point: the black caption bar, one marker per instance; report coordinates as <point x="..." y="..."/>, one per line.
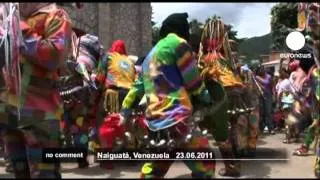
<point x="63" y="155"/>
<point x="131" y="154"/>
<point x="74" y="154"/>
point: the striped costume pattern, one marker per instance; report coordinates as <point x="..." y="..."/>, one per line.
<point x="169" y="76"/>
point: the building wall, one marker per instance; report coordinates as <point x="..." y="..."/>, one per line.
<point x="275" y="56"/>
<point x="130" y="22"/>
<point x="264" y="58"/>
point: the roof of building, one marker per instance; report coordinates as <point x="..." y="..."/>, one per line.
<point x="277" y="61"/>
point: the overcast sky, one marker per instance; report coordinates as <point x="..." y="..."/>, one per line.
<point x="249" y="19"/>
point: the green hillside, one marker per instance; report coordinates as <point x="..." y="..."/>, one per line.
<point x="254" y="47"/>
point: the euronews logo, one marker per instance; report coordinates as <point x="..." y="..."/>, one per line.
<point x="295" y="41"/>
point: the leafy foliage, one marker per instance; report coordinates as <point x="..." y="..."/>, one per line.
<point x="196" y="29"/>
<point x="252" y="48"/>
<point x="284" y="19"/>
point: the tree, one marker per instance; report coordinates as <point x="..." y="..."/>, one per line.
<point x="232" y="34"/>
<point x="153" y="23"/>
<point x="195" y="27"/>
<point x="283" y="20"/>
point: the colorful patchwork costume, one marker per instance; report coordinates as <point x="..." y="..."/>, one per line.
<point x="309" y="19"/>
<point x="47" y="37"/>
<point x="217" y="64"/>
<point x="80" y="114"/>
<point x="316" y="116"/>
<point x="169" y="77"/>
<point x="118" y="78"/>
<point x="249" y="135"/>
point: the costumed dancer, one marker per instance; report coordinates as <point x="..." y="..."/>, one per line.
<point x="169" y="77"/>
<point x="315" y="114"/>
<point x="250" y="127"/>
<point x="65" y="76"/>
<point x="3" y="55"/>
<point x="310" y="141"/>
<point x="309" y="20"/>
<point x="3" y="62"/>
<point x="216" y="63"/>
<point x="34" y="104"/>
<point x="299" y="116"/>
<point x="93" y="48"/>
<point x="80" y="116"/>
<point x="297" y="96"/>
<point x="119" y="76"/>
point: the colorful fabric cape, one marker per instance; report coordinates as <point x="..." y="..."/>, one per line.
<point x="169" y="76"/>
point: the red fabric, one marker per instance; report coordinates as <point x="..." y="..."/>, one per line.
<point x="278" y="116"/>
<point x="119" y="47"/>
<point x="293" y="65"/>
<point x="141" y="123"/>
<point x="109" y="130"/>
<point x="24" y="26"/>
<point x="63" y="124"/>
